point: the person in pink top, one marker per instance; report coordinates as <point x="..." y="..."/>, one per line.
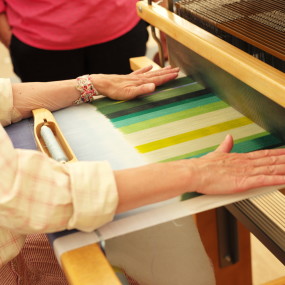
<point x="59" y="39"/>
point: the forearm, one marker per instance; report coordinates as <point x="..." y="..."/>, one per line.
<point x="5" y="30"/>
<point x="152" y="183"/>
<point x="60" y="94"/>
<point x="51" y="95"/>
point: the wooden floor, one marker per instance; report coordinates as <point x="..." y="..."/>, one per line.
<point x="265" y="266"/>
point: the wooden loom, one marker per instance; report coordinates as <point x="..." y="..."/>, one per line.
<point x="252" y="87"/>
<point x="114" y="111"/>
<point x="136" y="64"/>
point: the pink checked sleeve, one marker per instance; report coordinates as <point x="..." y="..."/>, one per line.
<point x="40" y="195"/>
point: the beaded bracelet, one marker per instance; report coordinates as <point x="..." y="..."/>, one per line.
<point x="86" y="88"/>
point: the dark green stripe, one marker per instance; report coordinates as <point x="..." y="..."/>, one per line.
<point x="162" y="102"/>
<point x="149" y="100"/>
<point x="161" y="110"/>
<point x="250" y="143"/>
<point x="177" y="83"/>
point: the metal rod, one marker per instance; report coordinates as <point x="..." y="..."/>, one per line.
<point x="170" y="5"/>
<point x="157" y="40"/>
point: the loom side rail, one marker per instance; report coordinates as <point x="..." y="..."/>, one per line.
<point x="256" y="74"/>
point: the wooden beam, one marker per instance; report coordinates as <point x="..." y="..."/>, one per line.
<point x="87" y="265"/>
<point x="256" y="74"/>
<point x="142" y="61"/>
<point x="279" y="281"/>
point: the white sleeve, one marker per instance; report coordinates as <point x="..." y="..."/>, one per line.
<point x="8" y="114"/>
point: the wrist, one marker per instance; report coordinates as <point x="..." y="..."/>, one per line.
<point x="100" y="82"/>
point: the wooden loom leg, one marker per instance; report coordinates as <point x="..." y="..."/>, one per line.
<point x="236" y="274"/>
<point x="88" y="266"/>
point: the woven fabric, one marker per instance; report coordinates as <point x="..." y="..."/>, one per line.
<point x="182" y="120"/>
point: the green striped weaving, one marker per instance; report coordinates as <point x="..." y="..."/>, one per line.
<point x="181" y="120"/>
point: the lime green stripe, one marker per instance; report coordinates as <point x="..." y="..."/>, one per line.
<point x="193" y="135"/>
<point x="122" y="105"/>
<point x="173" y="117"/>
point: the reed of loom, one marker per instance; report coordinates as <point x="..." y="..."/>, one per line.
<point x="240" y="72"/>
<point x="245" y="82"/>
<point x="254" y="26"/>
<point x="88" y="264"/>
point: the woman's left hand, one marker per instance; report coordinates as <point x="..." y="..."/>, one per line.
<point x="126" y="87"/>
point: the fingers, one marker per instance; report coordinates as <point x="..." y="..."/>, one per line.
<point x="161" y="72"/>
<point x="142" y="70"/>
<point x="159" y="80"/>
<point x="148" y="68"/>
<point x="158" y="77"/>
<point x="266" y="153"/>
<point x="226" y="145"/>
<point x="260" y="181"/>
<point x="139" y="90"/>
<point x="145" y="80"/>
<point x="269" y="170"/>
<point x="269" y="160"/>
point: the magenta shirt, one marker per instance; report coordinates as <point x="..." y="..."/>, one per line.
<point x="69" y="24"/>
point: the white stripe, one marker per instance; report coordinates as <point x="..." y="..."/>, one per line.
<point x="201" y="143"/>
<point x="182" y="126"/>
<point x="92" y="137"/>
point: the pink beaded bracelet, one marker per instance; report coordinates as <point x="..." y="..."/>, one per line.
<point x="86" y="88"/>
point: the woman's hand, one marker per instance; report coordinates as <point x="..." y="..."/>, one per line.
<point x="221" y="172"/>
<point x="126" y="87"/>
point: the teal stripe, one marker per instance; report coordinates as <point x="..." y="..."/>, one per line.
<point x="250" y="143"/>
<point x="266" y="141"/>
<point x="165" y="109"/>
<point x="169" y="118"/>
